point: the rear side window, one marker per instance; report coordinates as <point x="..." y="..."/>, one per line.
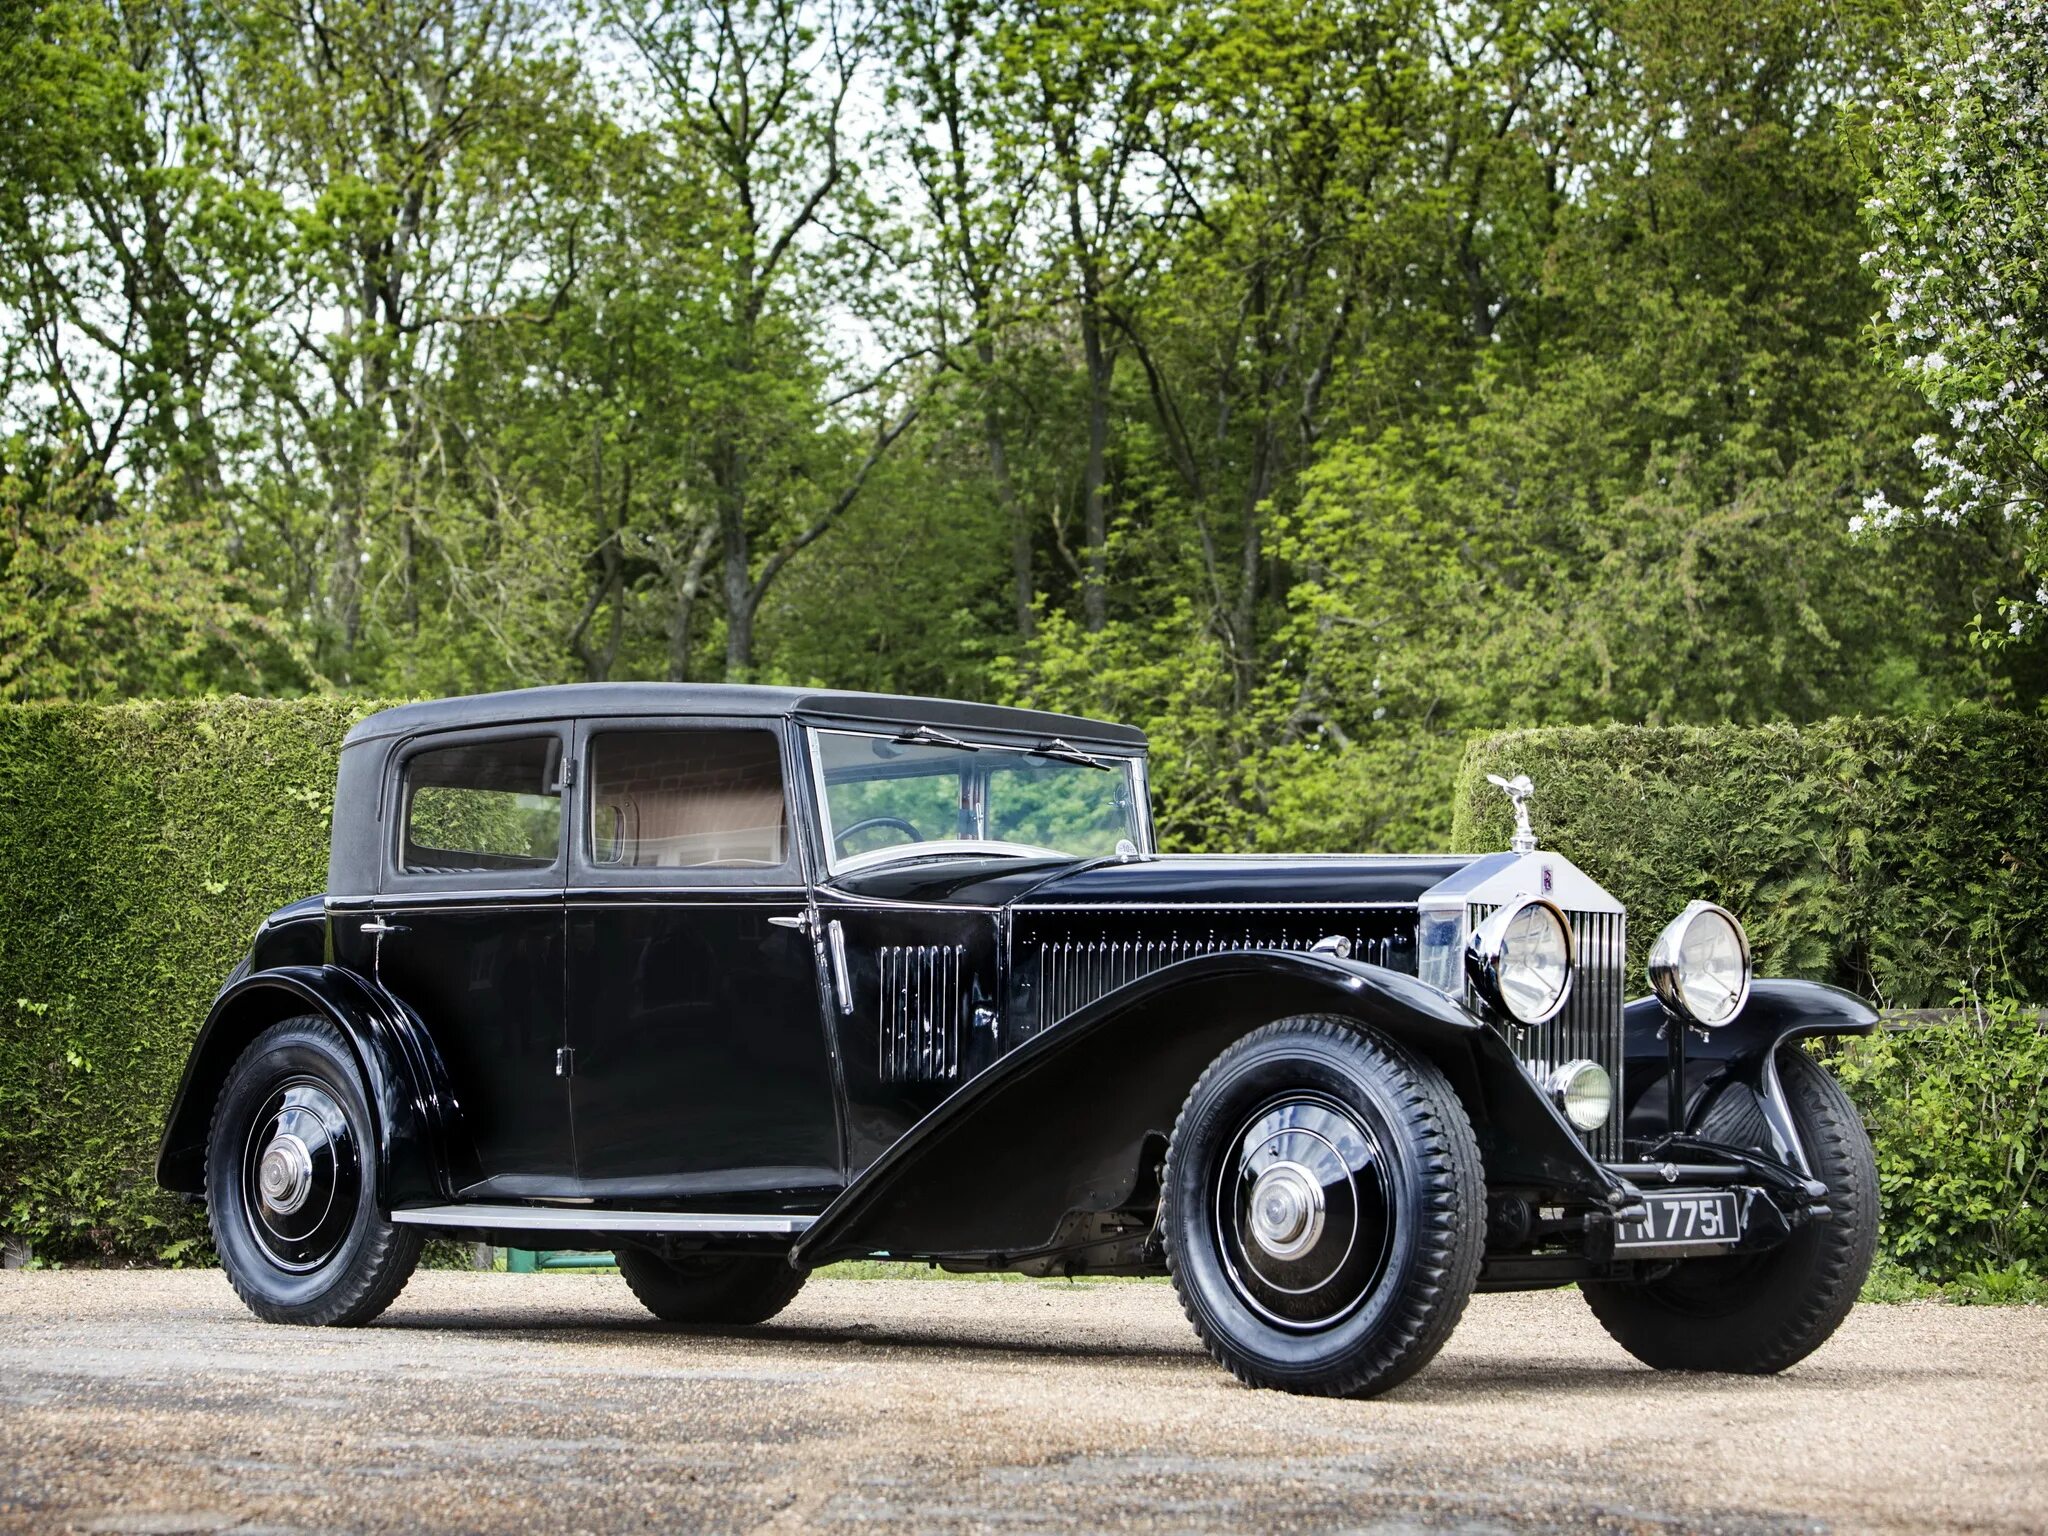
<point x="687" y="799"/>
<point x="483" y="805"/>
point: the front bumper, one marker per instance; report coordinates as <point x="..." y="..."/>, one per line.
<point x="1735" y="1200"/>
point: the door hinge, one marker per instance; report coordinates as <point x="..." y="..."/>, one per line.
<point x="565" y="1061"/>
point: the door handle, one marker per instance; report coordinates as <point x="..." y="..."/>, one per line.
<point x="801" y="922"/>
<point x="380" y="927"/>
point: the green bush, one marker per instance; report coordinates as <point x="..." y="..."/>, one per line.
<point x="1959" y="1115"/>
<point x="1905" y="860"/>
<point x="139" y="847"/>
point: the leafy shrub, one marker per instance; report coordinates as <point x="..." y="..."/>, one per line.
<point x="1958" y="1116"/>
<point x="140" y="844"/>
<point x="1906" y="860"/>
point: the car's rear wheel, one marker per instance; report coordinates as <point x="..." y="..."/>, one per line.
<point x="709" y="1289"/>
<point x="1759" y="1313"/>
<point x="291" y="1183"/>
<point x="1325" y="1209"/>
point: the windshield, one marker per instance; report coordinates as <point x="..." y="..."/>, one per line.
<point x="922" y="792"/>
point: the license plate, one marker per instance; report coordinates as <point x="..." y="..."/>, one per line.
<point x="1677" y="1220"/>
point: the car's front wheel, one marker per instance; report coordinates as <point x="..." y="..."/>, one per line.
<point x="1758" y="1313"/>
<point x="710" y="1289"/>
<point x="291" y="1183"/>
<point x="1325" y="1209"/>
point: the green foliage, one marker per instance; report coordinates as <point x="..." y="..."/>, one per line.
<point x="1960" y="216"/>
<point x="140" y="844"/>
<point x="1905" y="860"/>
<point x="1959" y="1114"/>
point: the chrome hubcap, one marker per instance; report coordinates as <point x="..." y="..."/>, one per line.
<point x="285" y="1174"/>
<point x="1286" y="1210"/>
<point x="302" y="1175"/>
<point x="1304" y="1211"/>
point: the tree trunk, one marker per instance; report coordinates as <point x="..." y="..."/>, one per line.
<point x="1094" y="510"/>
<point x="740" y="597"/>
<point x="1014" y="515"/>
<point x="689" y="587"/>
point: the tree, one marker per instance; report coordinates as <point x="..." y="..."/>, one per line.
<point x="1961" y="221"/>
<point x="398" y="136"/>
<point x="756" y="98"/>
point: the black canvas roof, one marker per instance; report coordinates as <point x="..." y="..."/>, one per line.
<point x="591" y="700"/>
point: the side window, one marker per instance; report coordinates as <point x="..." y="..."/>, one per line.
<point x="687" y="799"/>
<point x="483" y="805"/>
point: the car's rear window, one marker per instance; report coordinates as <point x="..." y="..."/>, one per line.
<point x="487" y="805"/>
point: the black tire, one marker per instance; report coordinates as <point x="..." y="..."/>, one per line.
<point x="331" y="1259"/>
<point x="719" y="1290"/>
<point x="1754" y="1314"/>
<point x="1324" y="1209"/>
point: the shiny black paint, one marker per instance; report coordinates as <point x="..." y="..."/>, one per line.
<point x="292" y="935"/>
<point x="1226" y="884"/>
<point x="486" y="973"/>
<point x="1071" y="1120"/>
<point x="422" y="1147"/>
<point x="700" y="1064"/>
<point x="929" y="973"/>
<point x="1740" y="1055"/>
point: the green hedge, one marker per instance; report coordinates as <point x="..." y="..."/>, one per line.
<point x="1905" y="860"/>
<point x="139" y="847"/>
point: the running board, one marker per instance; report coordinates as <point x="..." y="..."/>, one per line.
<point x="535" y="1218"/>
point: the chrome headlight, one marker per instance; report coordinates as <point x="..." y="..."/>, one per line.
<point x="1520" y="959"/>
<point x="1584" y="1092"/>
<point x="1699" y="966"/>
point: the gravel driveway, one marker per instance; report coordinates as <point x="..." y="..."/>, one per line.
<point x="147" y="1402"/>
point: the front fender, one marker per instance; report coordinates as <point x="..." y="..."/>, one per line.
<point x="1073" y="1119"/>
<point x="418" y="1156"/>
<point x="1740" y="1054"/>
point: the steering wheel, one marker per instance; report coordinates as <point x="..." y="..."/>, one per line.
<point x="878" y="821"/>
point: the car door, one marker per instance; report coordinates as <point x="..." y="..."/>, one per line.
<point x="700" y="1067"/>
<point x="467" y="932"/>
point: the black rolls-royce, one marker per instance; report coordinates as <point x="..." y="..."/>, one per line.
<point x="738" y="981"/>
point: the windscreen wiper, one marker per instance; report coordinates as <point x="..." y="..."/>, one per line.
<point x="925" y="736"/>
<point x="1066" y="752"/>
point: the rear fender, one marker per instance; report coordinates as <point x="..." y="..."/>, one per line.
<point x="1074" y="1119"/>
<point x="419" y="1153"/>
<point x="1740" y="1054"/>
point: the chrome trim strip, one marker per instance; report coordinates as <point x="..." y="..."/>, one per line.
<point x="831" y="895"/>
<point x="1275" y="906"/>
<point x="835" y="939"/>
<point x="406" y="901"/>
<point x="734" y="895"/>
<point x="537" y="1218"/>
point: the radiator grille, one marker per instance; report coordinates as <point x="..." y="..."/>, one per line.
<point x="1589" y="1026"/>
<point x="1073" y="974"/>
<point x="919" y="1010"/>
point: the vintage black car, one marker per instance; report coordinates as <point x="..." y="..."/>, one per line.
<point x="739" y="981"/>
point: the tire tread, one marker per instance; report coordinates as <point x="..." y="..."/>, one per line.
<point x="1453" y="1200"/>
<point x="378" y="1270"/>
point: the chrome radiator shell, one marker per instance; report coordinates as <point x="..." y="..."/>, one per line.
<point x="1589" y="1026"/>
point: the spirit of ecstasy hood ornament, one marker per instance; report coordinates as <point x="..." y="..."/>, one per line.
<point x="1518" y="790"/>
